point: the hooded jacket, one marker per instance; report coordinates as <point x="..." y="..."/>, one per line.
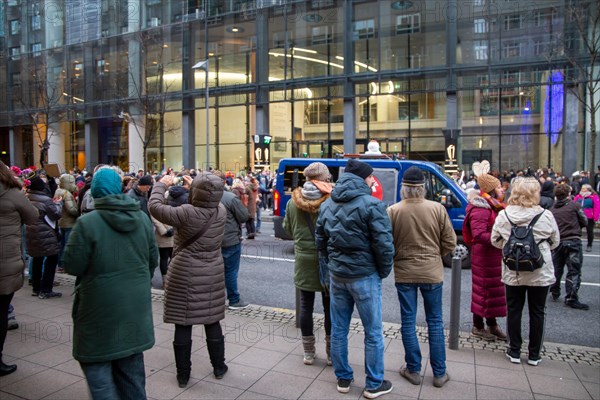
<point x="237" y="214"/>
<point x="569" y="218"/>
<point x="547" y="195"/>
<point x="178" y="195"/>
<point x="113" y="254"/>
<point x="354" y="232"/>
<point x="195" y="281"/>
<point x="66" y="188"/>
<point x="306" y="260"/>
<point x="488" y="299"/>
<point x="141" y="197"/>
<point x="15" y="210"/>
<point x="42" y="239"/>
<point x="545" y="228"/>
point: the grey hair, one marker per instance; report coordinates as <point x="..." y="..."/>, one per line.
<point x="412" y="192"/>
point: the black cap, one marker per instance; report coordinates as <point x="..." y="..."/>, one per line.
<point x="359" y="168"/>
<point x="413" y="176"/>
<point x="37" y="184"/>
<point x="145" y="180"/>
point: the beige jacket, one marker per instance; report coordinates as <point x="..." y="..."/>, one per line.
<point x="545" y="228"/>
<point x="422" y="233"/>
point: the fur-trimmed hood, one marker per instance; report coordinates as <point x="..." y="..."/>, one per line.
<point x="476" y="200"/>
<point x="309" y="206"/>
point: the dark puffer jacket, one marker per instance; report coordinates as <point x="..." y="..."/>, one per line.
<point x="570" y="219"/>
<point x="354" y="231"/>
<point x="178" y="195"/>
<point x="547" y="195"/>
<point x="43" y="240"/>
<point x="488" y="299"/>
<point x="15" y="210"/>
<point x="195" y="287"/>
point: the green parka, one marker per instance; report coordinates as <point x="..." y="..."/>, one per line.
<point x="113" y="254"/>
<point x="306" y="260"/>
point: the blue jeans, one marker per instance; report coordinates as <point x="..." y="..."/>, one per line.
<point x="258" y="217"/>
<point x="231" y="259"/>
<point x="366" y="294"/>
<point x="432" y="299"/>
<point x="124" y="378"/>
<point x="66" y="232"/>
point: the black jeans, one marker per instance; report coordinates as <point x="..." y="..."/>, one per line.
<point x="590" y="231"/>
<point x="536" y="301"/>
<point x="307" y="306"/>
<point x="5" y="300"/>
<point x="42" y="273"/>
<point x="569" y="252"/>
<point x="165" y="254"/>
<point x="183" y="333"/>
<point x="478" y="321"/>
<point x="250" y="227"/>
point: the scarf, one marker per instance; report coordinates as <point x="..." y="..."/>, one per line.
<point x="494" y="203"/>
<point x="310" y="191"/>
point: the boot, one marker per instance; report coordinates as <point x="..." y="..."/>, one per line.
<point x="6" y="369"/>
<point x="308" y="342"/>
<point x="497" y="331"/>
<point x="328" y="349"/>
<point x="216" y="352"/>
<point x="183" y="362"/>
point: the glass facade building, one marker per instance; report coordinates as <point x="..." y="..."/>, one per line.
<point x="117" y="81"/>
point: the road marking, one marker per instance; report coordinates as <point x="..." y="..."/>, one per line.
<point x="590" y="255"/>
<point x="268" y="258"/>
<point x="587" y="284"/>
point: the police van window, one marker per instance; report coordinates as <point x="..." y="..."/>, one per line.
<point x="293" y="177"/>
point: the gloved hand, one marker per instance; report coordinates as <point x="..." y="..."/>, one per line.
<point x="169" y="232"/>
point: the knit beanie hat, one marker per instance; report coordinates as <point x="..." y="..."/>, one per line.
<point x="105" y="182"/>
<point x="145" y="180"/>
<point x="37" y="184"/>
<point x="359" y="168"/>
<point x="317" y="171"/>
<point x="413" y="177"/>
<point x="487" y="183"/>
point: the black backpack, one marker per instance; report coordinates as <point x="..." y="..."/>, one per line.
<point x="521" y="252"/>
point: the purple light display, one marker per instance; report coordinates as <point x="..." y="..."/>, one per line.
<point x="554" y="106"/>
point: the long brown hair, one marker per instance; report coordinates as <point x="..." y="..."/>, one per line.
<point x="8" y="178"/>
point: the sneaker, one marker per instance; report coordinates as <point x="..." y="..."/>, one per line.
<point x="309" y="358"/>
<point x="440" y="381"/>
<point x="588" y="249"/>
<point x="240" y="305"/>
<point x="577" y="305"/>
<point x="514" y="357"/>
<point x="555" y="297"/>
<point x="497" y="332"/>
<point x="49" y="295"/>
<point x="483" y="333"/>
<point x="384" y="388"/>
<point x="534" y="361"/>
<point x="35" y="294"/>
<point x="12" y="324"/>
<point x="412" y="377"/>
<point x="343" y="385"/>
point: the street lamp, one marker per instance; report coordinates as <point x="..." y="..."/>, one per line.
<point x="204" y="65"/>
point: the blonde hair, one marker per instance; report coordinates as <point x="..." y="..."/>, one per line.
<point x="525" y="192"/>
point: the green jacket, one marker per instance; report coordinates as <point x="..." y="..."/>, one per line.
<point x="113" y="254"/>
<point x="306" y="261"/>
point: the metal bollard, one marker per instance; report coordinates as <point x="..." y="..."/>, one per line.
<point x="455" y="303"/>
<point x="297" y="308"/>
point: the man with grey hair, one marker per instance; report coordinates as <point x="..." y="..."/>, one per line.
<point x="422" y="233"/>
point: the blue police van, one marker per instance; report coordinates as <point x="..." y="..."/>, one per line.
<point x="388" y="173"/>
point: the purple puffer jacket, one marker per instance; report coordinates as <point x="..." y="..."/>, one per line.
<point x="488" y="298"/>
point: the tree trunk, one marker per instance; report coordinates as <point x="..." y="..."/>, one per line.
<point x="593" y="137"/>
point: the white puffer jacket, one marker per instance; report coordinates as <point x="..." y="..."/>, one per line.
<point x="545" y="228"/>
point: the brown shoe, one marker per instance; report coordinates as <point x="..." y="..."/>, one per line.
<point x="497" y="332"/>
<point x="483" y="334"/>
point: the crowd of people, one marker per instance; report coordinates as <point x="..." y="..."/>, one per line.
<point x="190" y="224"/>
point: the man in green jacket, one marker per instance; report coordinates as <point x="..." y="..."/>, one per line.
<point x="113" y="253"/>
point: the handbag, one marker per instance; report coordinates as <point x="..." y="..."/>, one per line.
<point x="323" y="268"/>
<point x="198" y="234"/>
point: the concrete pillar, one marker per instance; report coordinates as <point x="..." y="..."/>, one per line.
<point x="570" y="137"/>
<point x="350" y="112"/>
<point x="15" y="144"/>
<point x="262" y="74"/>
<point x="91" y="144"/>
<point x="188" y="117"/>
<point x="136" y="146"/>
<point x="56" y="152"/>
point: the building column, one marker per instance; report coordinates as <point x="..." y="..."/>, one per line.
<point x="56" y="152"/>
<point x="15" y="148"/>
<point x="350" y="113"/>
<point x="91" y="145"/>
<point x="570" y="136"/>
<point x="188" y="116"/>
<point x="453" y="117"/>
<point x="262" y="76"/>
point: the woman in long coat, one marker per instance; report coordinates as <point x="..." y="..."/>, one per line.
<point x="488" y="300"/>
<point x="15" y="210"/>
<point x="195" y="288"/>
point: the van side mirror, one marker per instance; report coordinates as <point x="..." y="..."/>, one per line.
<point x="447" y="198"/>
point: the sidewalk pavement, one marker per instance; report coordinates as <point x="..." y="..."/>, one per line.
<point x="264" y="354"/>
